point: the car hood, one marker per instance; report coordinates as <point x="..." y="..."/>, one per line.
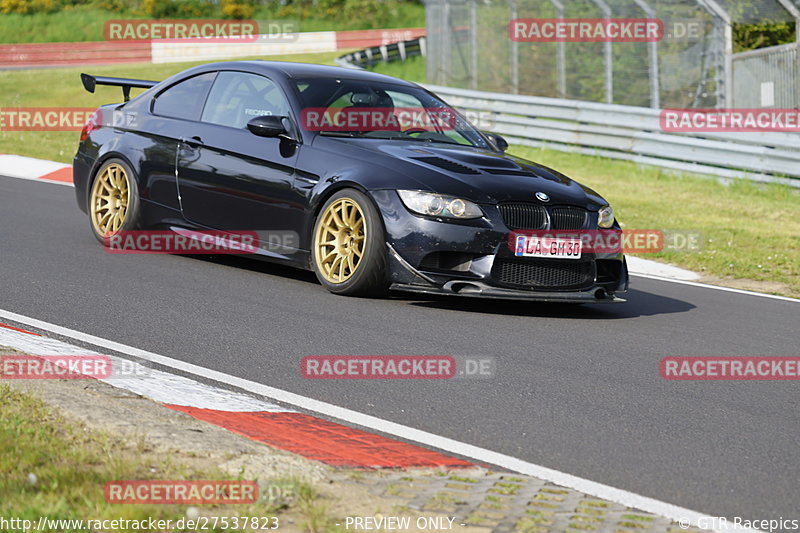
<point x="482" y="176"/>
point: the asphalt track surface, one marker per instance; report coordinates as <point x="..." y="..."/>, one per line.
<point x="576" y="389"/>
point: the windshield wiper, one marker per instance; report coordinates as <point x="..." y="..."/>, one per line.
<point x="330" y="133"/>
<point x="430" y="140"/>
<point x="340" y="133"/>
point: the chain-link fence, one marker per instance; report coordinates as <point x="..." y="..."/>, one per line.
<point x="538" y="47"/>
<point x="768" y="77"/>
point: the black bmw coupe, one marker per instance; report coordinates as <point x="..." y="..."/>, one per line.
<point x="384" y="185"/>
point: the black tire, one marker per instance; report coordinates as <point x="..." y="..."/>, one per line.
<point x="96" y="206"/>
<point x="368" y="277"/>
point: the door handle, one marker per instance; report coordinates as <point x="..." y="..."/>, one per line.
<point x="193" y="142"/>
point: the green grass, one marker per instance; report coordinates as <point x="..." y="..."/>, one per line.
<point x="71" y="464"/>
<point x="61" y="87"/>
<point x="413" y="69"/>
<point x="463" y="479"/>
<point x="79" y="24"/>
<point x="85" y="22"/>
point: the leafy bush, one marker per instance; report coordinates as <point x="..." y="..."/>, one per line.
<point x="178" y="8"/>
<point x="371" y="11"/>
<point x="29" y="7"/>
<point x="344" y="14"/>
<point x="237" y="10"/>
<point x="763" y="34"/>
<point x="23" y="7"/>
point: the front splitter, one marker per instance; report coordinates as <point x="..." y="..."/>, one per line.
<point x="479" y="290"/>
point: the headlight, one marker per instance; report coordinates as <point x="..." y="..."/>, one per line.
<point x="605" y="217"/>
<point x="439" y="205"/>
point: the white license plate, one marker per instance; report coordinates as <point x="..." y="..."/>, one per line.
<point x="536" y="246"/>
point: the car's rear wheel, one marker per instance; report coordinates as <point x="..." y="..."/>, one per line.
<point x="348" y="250"/>
<point x="114" y="200"/>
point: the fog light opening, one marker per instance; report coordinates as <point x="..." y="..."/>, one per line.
<point x="458" y="287"/>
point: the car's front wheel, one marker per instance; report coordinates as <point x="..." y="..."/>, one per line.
<point x="114" y="200"/>
<point x="348" y="251"/>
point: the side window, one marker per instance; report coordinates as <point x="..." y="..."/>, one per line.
<point x="184" y="99"/>
<point x="237" y="97"/>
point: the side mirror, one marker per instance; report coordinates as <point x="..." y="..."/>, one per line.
<point x="500" y="144"/>
<point x="267" y="126"/>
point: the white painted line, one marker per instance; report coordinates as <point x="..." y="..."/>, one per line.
<point x="4" y="174"/>
<point x="476" y="453"/>
<point x="45" y="180"/>
<point x="19" y="166"/>
<point x="29" y="168"/>
<point x="639" y="265"/>
<point x="157" y="385"/>
<point x="719" y="288"/>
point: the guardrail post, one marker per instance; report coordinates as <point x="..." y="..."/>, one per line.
<point x="514" y="54"/>
<point x="446" y="44"/>
<point x="561" y="54"/>
<point x="608" y="54"/>
<point x="473" y="45"/>
<point x="728" y="66"/>
<point x="724" y="80"/>
<point x="652" y="52"/>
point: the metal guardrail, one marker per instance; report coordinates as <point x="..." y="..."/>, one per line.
<point x="633" y="134"/>
<point x="367" y="57"/>
<point x="622" y="132"/>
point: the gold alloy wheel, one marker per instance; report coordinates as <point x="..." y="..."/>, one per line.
<point x="109" y="202"/>
<point x="340" y="240"/>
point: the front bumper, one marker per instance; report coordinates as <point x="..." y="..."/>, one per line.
<point x="473" y="258"/>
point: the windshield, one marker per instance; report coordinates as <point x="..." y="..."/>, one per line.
<point x="359" y="108"/>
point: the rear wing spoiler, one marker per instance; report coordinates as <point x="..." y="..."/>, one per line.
<point x="89" y="83"/>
